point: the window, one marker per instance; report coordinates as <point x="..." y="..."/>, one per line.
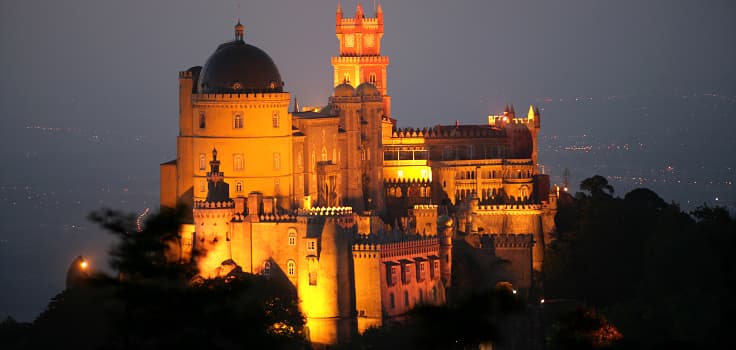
<point x="400" y="174"/>
<point x="422" y="271"/>
<point x="276" y="161"/>
<point x="311" y="245"/>
<point x="372" y="78"/>
<point x="434" y="293"/>
<point x="238" y="186"/>
<point x="324" y="154"/>
<point x="291" y="268"/>
<point x="202" y="120"/>
<point x="435" y="268"/>
<point x="405" y="273"/>
<point x="202" y="161"/>
<point x="238" y="163"/>
<point x="292" y="237"/>
<point x="203" y="186"/>
<point x="406" y="298"/>
<point x="392" y="301"/>
<point x="276" y="186"/>
<point x="266" y="270"/>
<point x="275" y="119"/>
<point x="238" y="121"/>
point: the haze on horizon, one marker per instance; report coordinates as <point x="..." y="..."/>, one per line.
<point x="104" y="73"/>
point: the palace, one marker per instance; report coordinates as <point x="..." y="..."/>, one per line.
<point x="363" y="220"/>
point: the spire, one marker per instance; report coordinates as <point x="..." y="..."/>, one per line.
<point x="512" y="111"/>
<point x="506" y="110"/>
<point x="379" y="13"/>
<point x="296" y="101"/>
<point x="530" y="114"/>
<point x="239" y="31"/>
<point x="217" y="189"/>
<point x="338" y="14"/>
<point x="359" y="11"/>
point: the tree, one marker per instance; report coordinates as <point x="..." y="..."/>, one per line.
<point x="597" y="186"/>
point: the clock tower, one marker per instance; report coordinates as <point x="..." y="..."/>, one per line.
<point x="360" y="59"/>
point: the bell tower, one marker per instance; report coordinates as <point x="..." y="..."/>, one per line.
<point x="360" y="57"/>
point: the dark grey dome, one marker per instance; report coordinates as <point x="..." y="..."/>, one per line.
<point x="239" y="67"/>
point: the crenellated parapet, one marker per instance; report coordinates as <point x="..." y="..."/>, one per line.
<point x="278" y="98"/>
<point x="418" y="247"/>
<point x="425" y="209"/>
<point x="508" y="240"/>
<point x="360" y="59"/>
<point x="214" y="205"/>
<point x="404" y="180"/>
<point x="185" y="74"/>
<point x="509" y="209"/>
<point x="288" y="216"/>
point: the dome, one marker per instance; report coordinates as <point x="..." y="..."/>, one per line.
<point x="344" y="90"/>
<point x="239" y="67"/>
<point x="367" y="89"/>
<point x="445" y="221"/>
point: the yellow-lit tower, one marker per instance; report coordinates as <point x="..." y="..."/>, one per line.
<point x="360" y="57"/>
<point x="235" y="103"/>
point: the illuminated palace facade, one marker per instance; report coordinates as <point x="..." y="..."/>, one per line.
<point x="358" y="217"/>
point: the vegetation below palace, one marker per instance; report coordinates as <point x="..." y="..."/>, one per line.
<point x="623" y="273"/>
<point x="662" y="277"/>
<point x="154" y="304"/>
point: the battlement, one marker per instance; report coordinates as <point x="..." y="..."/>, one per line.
<point x="214" y="205"/>
<point x="289" y="216"/>
<point x="360" y="59"/>
<point x="326" y="211"/>
<point x="425" y="208"/>
<point x="405" y="180"/>
<point x="185" y="74"/>
<point x="444" y="131"/>
<point x="243" y="96"/>
<point x="509" y="209"/>
<point x="508" y="240"/>
<point x="418" y="247"/>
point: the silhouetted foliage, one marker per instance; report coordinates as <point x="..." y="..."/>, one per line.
<point x="583" y="329"/>
<point x="662" y="276"/>
<point x="154" y="303"/>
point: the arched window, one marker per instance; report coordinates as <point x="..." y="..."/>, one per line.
<point x="372" y="78"/>
<point x="291" y="268"/>
<point x="202" y="161"/>
<point x="238" y="121"/>
<point x="292" y="237"/>
<point x="266" y="270"/>
<point x="276" y="161"/>
<point x="324" y="154"/>
<point x="238" y="186"/>
<point x="275" y="119"/>
<point x="392" y="301"/>
<point x="406" y="298"/>
<point x="238" y="162"/>
<point x="202" y="120"/>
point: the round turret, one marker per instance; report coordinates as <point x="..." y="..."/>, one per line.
<point x="344" y="90"/>
<point x="367" y="89"/>
<point x="445" y="221"/>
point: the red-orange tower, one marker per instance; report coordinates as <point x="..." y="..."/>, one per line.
<point x="360" y="57"/>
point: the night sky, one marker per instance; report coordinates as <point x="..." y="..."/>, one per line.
<point x="89" y="97"/>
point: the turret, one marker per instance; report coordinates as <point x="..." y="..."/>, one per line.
<point x="445" y="226"/>
<point x="338" y="14"/>
<point x="379" y="14"/>
<point x="359" y="15"/>
<point x="212" y="224"/>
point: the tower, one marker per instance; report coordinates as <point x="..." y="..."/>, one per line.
<point x="360" y="57"/>
<point x="212" y="223"/>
